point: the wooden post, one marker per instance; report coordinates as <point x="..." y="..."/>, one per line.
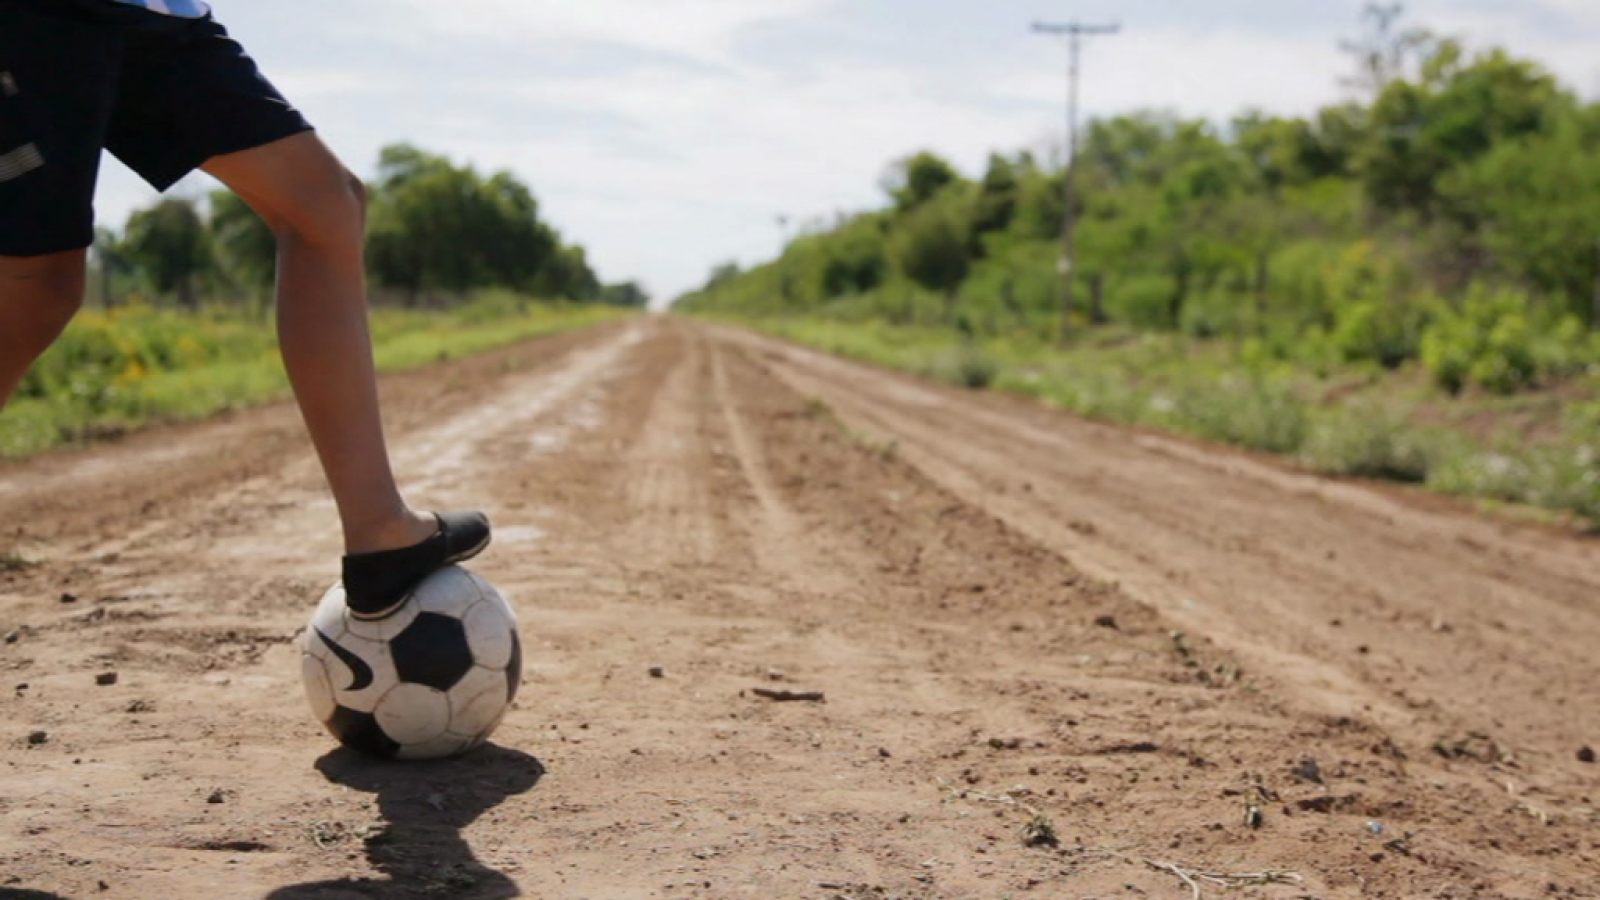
<point x="1594" y="311"/>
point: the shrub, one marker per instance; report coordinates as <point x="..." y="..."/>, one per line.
<point x="1381" y="331"/>
<point x="1368" y="441"/>
<point x="1489" y="342"/>
<point x="1259" y="413"/>
<point x="969" y="367"/>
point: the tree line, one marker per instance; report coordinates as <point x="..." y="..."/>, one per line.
<point x="1449" y="212"/>
<point x="437" y="231"/>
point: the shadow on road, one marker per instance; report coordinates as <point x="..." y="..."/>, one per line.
<point x="25" y="894"/>
<point x="425" y="807"/>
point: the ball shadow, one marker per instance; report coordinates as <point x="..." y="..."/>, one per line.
<point x="425" y="807"/>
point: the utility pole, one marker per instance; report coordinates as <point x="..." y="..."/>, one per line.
<point x="1594" y="310"/>
<point x="1075" y="33"/>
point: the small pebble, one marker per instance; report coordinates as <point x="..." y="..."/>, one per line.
<point x="657" y="672"/>
<point x="38" y="737"/>
<point x="106" y="678"/>
<point x="1586" y="754"/>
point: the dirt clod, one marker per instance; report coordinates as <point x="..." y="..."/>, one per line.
<point x="105" y="679"/>
<point x="1586" y="754"/>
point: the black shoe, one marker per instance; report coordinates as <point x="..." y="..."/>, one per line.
<point x="375" y="584"/>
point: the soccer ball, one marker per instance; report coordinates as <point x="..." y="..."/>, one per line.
<point x="430" y="681"/>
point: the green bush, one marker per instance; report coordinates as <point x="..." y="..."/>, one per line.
<point x="1383" y="331"/>
<point x="1489" y="342"/>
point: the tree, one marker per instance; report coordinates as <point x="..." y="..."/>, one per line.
<point x="1422" y="130"/>
<point x="917" y="179"/>
<point x="931" y="249"/>
<point x="626" y="294"/>
<point x="998" y="193"/>
<point x="1385" y="50"/>
<point x="567" y="275"/>
<point x="1280" y="152"/>
<point x="853" y="257"/>
<point x="1539" y="201"/>
<point x="111" y="259"/>
<point x="169" y="243"/>
<point x="246" y="247"/>
<point x="439" y="226"/>
<point x="725" y="273"/>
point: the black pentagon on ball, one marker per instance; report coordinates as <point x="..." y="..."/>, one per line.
<point x="514" y="668"/>
<point x="432" y="651"/>
<point x="361" y="731"/>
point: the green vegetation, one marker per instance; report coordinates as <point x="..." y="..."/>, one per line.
<point x="436" y="232"/>
<point x="120" y="368"/>
<point x="1403" y="286"/>
<point x="1536" y="449"/>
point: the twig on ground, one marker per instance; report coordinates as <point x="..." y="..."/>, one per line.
<point x="790" y="696"/>
<point x="1194" y="889"/>
<point x="1193" y="877"/>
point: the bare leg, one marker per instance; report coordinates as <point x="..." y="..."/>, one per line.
<point x="38" y="297"/>
<point x="317" y="210"/>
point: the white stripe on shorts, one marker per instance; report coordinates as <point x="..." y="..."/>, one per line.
<point x="20" y="162"/>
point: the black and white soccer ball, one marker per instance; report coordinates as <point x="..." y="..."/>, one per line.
<point x="432" y="680"/>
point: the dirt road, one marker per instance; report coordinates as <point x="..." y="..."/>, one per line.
<point x="1059" y="659"/>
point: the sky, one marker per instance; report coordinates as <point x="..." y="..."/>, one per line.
<point x="669" y="136"/>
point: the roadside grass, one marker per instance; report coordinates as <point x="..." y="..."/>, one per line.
<point x="117" y="370"/>
<point x="1538" y="449"/>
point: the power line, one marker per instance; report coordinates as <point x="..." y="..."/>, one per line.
<point x="1074" y="32"/>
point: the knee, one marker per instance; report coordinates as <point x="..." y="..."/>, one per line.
<point x="330" y="212"/>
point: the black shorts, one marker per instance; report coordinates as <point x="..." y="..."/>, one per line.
<point x="163" y="94"/>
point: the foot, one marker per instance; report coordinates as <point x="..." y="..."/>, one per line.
<point x="376" y="584"/>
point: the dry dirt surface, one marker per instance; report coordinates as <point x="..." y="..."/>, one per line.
<point x="798" y="628"/>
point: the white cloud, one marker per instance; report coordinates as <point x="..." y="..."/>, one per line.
<point x="667" y="135"/>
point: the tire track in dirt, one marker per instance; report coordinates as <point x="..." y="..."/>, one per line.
<point x="774" y="800"/>
<point x="672" y="520"/>
<point x="1074" y="494"/>
<point x="1397" y="615"/>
